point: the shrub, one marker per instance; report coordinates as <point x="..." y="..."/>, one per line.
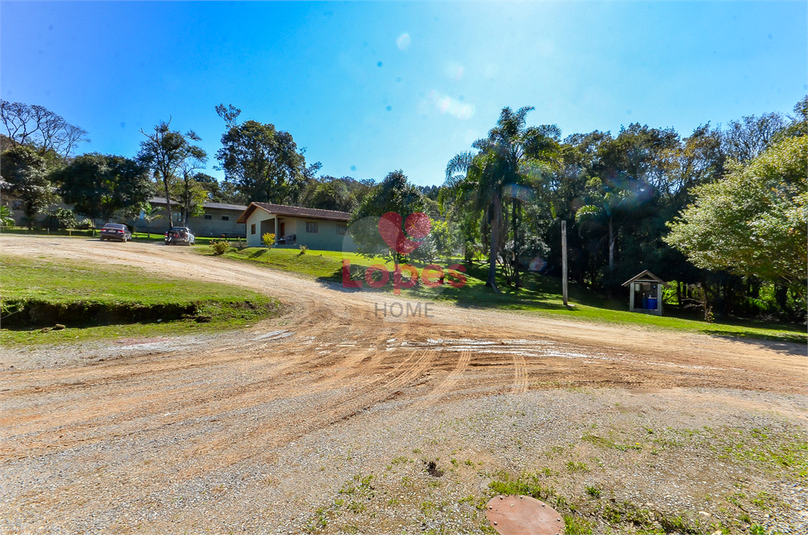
<point x="219" y="246"/>
<point x="60" y="218"/>
<point x="6" y="217"/>
<point x="303" y="249"/>
<point x="268" y="239"/>
<point x="85" y="224"/>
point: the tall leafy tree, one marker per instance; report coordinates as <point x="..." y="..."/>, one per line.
<point x="394" y="194"/>
<point x="510" y="155"/>
<point x="329" y="193"/>
<point x="263" y="162"/>
<point x="753" y="221"/>
<point x="606" y="202"/>
<point x="620" y="201"/>
<point x="98" y="185"/>
<point x="168" y="153"/>
<point x="24" y="176"/>
<point x="223" y="192"/>
<point x="747" y="138"/>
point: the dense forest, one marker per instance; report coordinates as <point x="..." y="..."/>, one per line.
<point x="721" y="213"/>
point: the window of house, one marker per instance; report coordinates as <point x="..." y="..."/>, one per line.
<point x="208" y="216"/>
<point x="342" y="230"/>
<point x="252" y="228"/>
<point x="225" y="218"/>
<point x="311" y="227"/>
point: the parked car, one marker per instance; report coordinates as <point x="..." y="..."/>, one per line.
<point x="179" y="235"/>
<point x="116" y="231"/>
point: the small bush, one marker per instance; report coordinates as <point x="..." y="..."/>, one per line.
<point x="268" y="239"/>
<point x="6" y="217"/>
<point x="85" y="224"/>
<point x="219" y="246"/>
<point x="303" y="249"/>
<point x="60" y="218"/>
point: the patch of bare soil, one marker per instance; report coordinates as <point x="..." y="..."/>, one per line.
<point x="336" y="419"/>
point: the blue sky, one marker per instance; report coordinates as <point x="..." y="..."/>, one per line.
<point x="368" y="88"/>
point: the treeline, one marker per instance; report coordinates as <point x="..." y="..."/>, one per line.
<point x="722" y="211"/>
<point x="260" y="163"/>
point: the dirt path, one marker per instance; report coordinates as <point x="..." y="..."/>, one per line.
<point x="108" y="440"/>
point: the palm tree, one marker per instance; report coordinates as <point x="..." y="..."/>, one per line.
<point x="511" y="155"/>
<point x="603" y="208"/>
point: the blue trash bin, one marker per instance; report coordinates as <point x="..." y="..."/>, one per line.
<point x="652" y="302"/>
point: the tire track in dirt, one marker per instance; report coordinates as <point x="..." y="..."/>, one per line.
<point x="519" y="374"/>
<point x="301" y="418"/>
<point x="448" y="383"/>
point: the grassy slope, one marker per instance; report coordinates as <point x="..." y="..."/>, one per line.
<point x="66" y="282"/>
<point x="541" y="295"/>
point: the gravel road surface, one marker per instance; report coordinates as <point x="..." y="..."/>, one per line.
<point x="323" y="420"/>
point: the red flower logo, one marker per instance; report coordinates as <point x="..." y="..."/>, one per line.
<point x="417" y="226"/>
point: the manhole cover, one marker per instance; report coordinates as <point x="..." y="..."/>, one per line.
<point x="523" y="515"/>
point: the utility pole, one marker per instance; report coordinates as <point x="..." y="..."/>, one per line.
<point x="564" y="260"/>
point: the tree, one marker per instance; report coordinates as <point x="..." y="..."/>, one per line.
<point x="150" y="214"/>
<point x="191" y="197"/>
<point x="168" y="152"/>
<point x="510" y="155"/>
<point x="753" y="221"/>
<point x="393" y="195"/>
<point x="222" y="192"/>
<point x="60" y="218"/>
<point x="190" y="194"/>
<point x="263" y="162"/>
<point x="6" y="217"/>
<point x="746" y="139"/>
<point x="24" y="176"/>
<point x="98" y="185"/>
<point x="329" y="193"/>
<point x="39" y="127"/>
<point x="605" y="205"/>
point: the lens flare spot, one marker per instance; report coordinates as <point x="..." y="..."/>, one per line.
<point x="448" y="105"/>
<point x="403" y="42"/>
<point x="453" y="71"/>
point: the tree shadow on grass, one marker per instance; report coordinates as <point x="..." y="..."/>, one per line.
<point x="478" y="297"/>
<point x="794" y="345"/>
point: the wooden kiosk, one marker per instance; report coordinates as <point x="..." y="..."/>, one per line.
<point x="645" y="291"/>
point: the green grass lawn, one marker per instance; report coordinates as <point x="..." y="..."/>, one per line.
<point x="541" y="295"/>
<point x="103" y="292"/>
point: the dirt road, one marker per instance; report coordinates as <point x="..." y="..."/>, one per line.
<point x="257" y="431"/>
